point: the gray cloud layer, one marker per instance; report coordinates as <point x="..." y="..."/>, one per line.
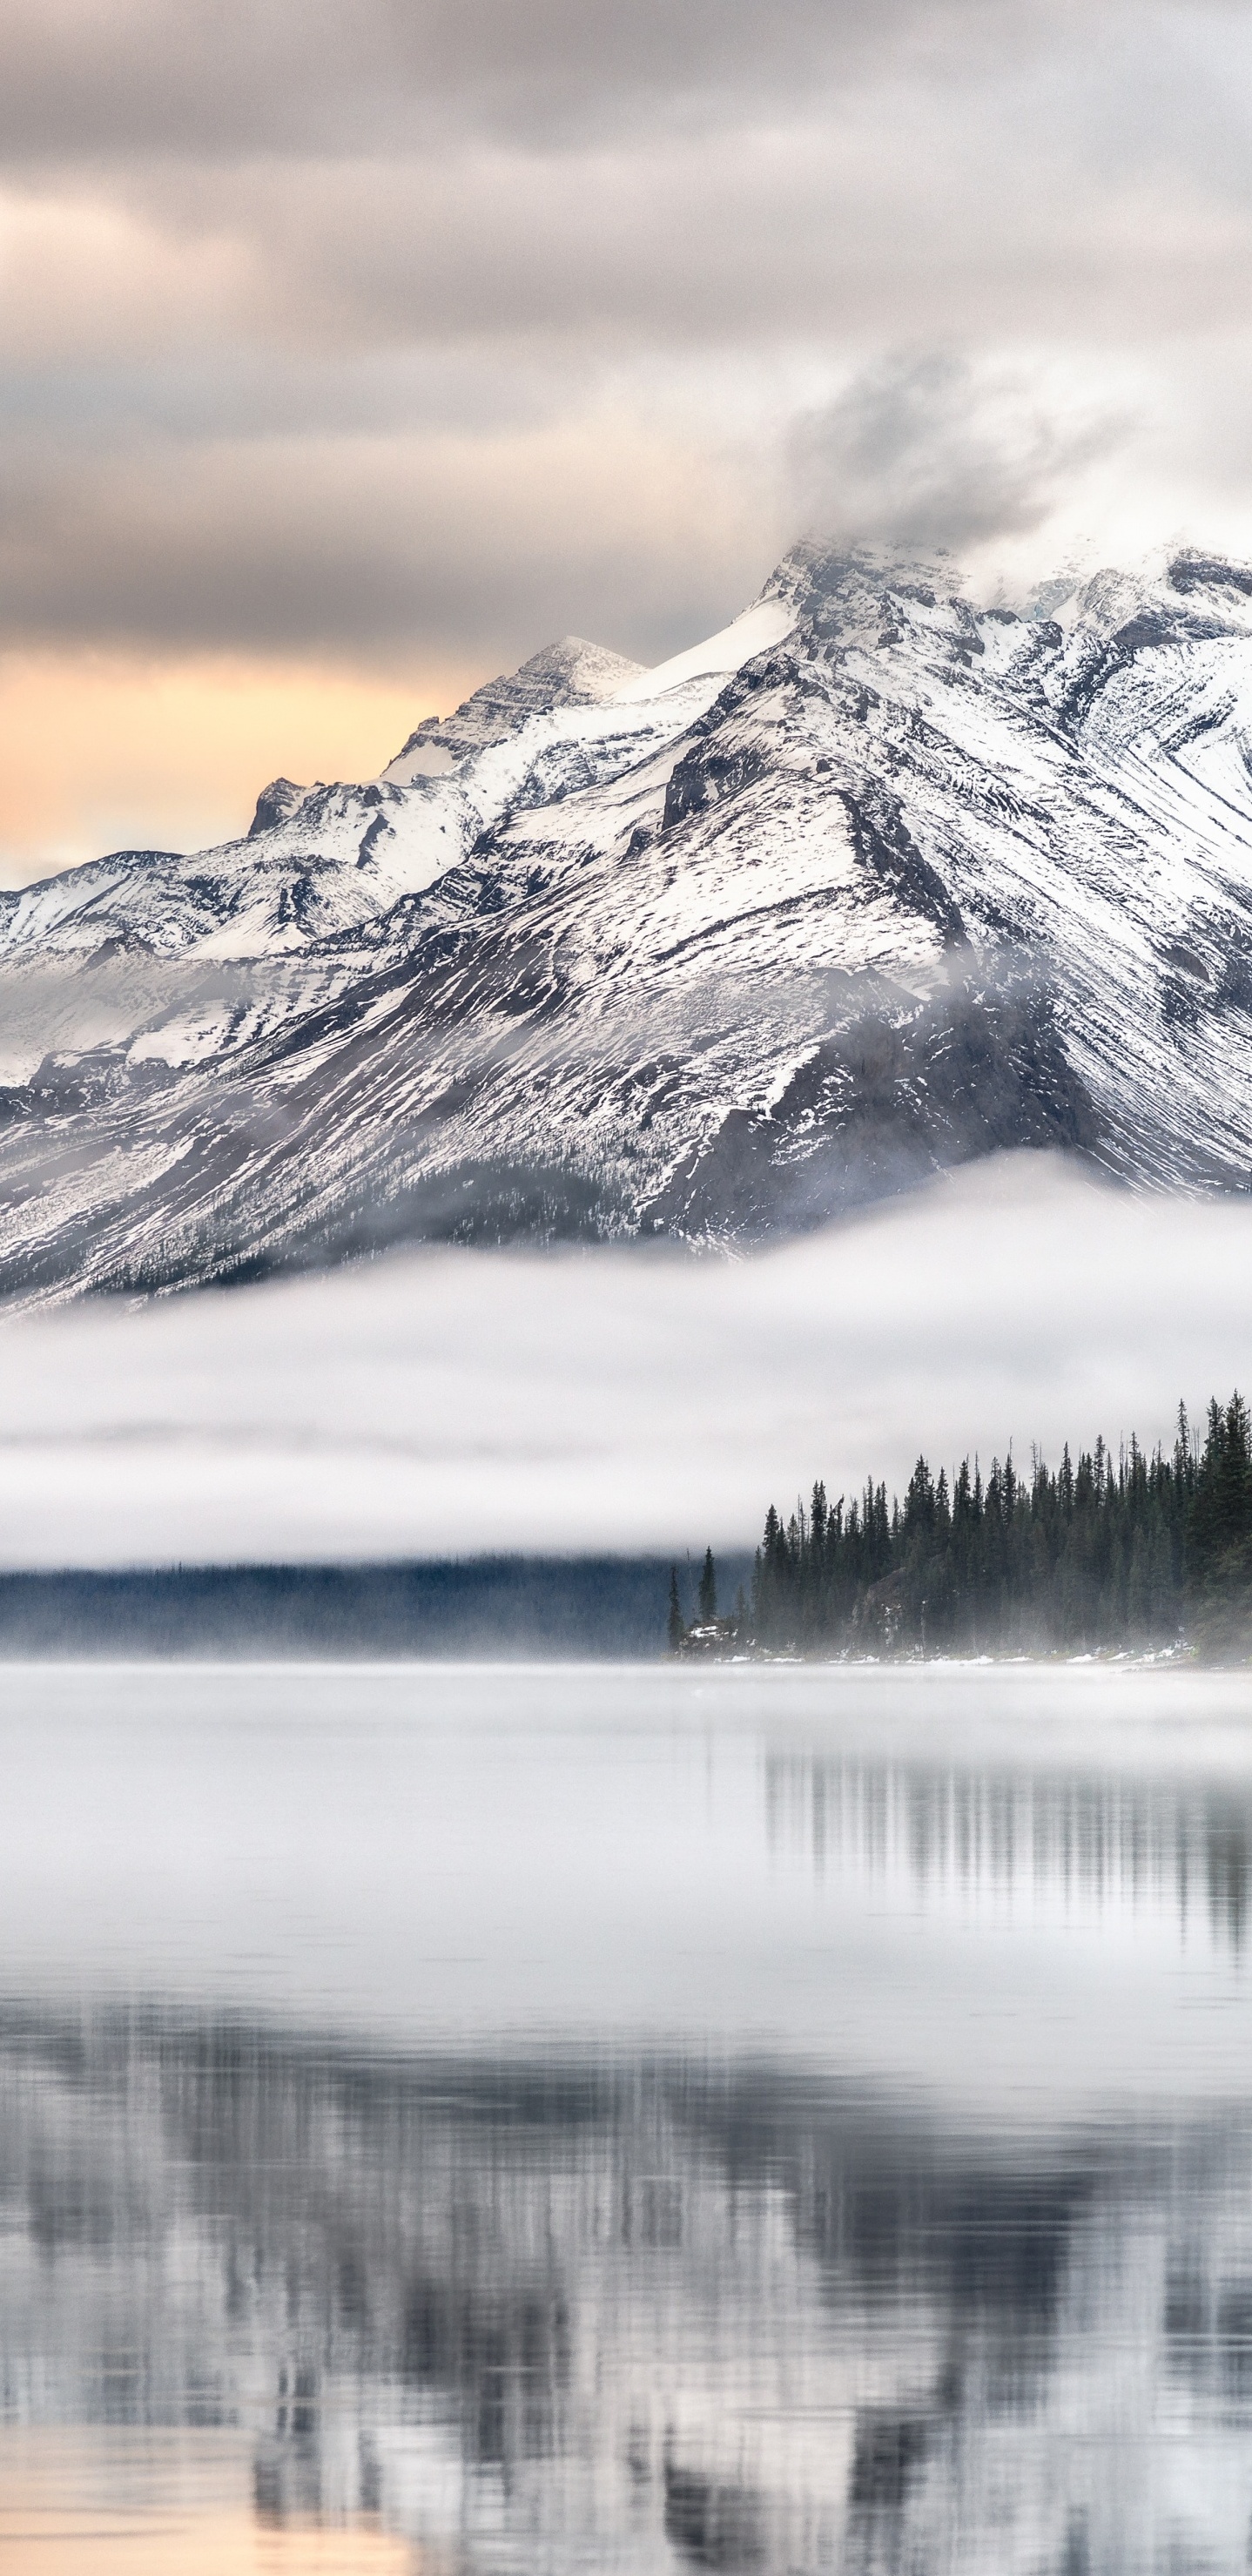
<point x="905" y="456"/>
<point x="409" y="328"/>
<point x="228" y="77"/>
<point x="453" y="1402"/>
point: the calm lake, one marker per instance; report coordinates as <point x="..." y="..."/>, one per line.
<point x="628" y="2118"/>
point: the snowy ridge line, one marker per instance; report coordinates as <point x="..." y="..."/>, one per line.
<point x="873" y="882"/>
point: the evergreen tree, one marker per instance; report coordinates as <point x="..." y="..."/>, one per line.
<point x="1110" y="1550"/>
<point x="1218" y="1536"/>
<point x="675" y="1629"/>
<point x="708" y="1588"/>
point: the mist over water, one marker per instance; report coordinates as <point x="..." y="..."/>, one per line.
<point x="649" y="2119"/>
<point x="441" y="1403"/>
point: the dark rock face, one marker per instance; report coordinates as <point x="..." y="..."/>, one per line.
<point x="276" y="804"/>
<point x="1190" y="572"/>
<point x="881" y="841"/>
<point x="881" y="1106"/>
<point x="707" y="777"/>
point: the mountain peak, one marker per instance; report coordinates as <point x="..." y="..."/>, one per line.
<point x="874" y="880"/>
<point x="570" y="673"/>
<point x="817" y="569"/>
<point x="276" y="804"/>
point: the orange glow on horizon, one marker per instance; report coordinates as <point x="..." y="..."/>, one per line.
<point x="102" y="752"/>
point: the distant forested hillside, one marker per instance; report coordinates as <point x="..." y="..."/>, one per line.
<point x="1134" y="1551"/>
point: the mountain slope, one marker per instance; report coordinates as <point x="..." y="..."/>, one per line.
<point x="875" y="881"/>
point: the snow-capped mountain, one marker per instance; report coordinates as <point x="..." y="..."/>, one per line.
<point x="875" y="880"/>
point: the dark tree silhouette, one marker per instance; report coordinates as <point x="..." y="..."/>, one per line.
<point x="1096" y="1554"/>
<point x="708" y="1587"/>
<point x="675" y="1629"/>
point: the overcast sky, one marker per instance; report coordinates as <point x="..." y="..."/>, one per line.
<point x="351" y="352"/>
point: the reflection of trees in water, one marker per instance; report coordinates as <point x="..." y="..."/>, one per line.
<point x="653" y="2313"/>
<point x="1101" y="1841"/>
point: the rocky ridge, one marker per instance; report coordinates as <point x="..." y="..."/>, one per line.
<point x="877" y="880"/>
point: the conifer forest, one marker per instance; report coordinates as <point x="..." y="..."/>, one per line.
<point x="1138" y="1551"/>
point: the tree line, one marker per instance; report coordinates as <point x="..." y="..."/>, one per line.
<point x="1135" y="1551"/>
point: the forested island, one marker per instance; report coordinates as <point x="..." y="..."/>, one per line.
<point x="1137" y="1552"/>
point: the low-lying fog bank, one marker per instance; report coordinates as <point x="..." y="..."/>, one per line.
<point x="456" y="1403"/>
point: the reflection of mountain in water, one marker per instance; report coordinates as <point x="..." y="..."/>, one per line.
<point x="1115" y="1841"/>
<point x="635" y="2313"/>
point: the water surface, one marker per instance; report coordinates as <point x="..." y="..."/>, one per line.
<point x="625" y="2118"/>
